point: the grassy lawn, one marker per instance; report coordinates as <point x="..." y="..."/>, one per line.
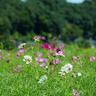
<point x="24" y="80"/>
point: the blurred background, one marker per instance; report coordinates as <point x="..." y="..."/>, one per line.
<point x="66" y="20"/>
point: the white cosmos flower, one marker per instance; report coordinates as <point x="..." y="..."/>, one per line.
<point x="36" y="38"/>
<point x="21" y="45"/>
<point x="42" y="79"/>
<point x="46" y="67"/>
<point x="79" y="74"/>
<point x="27" y="59"/>
<point x="67" y="68"/>
<point x="62" y="73"/>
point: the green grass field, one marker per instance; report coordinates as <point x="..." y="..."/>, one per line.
<point x="24" y="81"/>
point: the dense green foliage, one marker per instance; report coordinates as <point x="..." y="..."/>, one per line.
<point x="48" y="16"/>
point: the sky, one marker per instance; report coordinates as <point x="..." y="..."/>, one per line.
<point x="75" y="1"/>
<point x="71" y="1"/>
<point x="23" y="0"/>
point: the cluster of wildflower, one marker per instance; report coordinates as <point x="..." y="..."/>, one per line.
<point x="37" y="38"/>
<point x="41" y="61"/>
<point x="16" y="69"/>
<point x="54" y="62"/>
<point x="47" y="46"/>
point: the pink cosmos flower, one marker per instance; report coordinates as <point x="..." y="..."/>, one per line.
<point x="17" y="55"/>
<point x="45" y="60"/>
<point x="34" y="53"/>
<point x="43" y="38"/>
<point x="37" y="63"/>
<point x="37" y="58"/>
<point x="53" y="46"/>
<point x="40" y="54"/>
<point x="21" y="50"/>
<point x="39" y="37"/>
<point x="14" y="41"/>
<point x="92" y="59"/>
<point x="74" y="57"/>
<point x="53" y="62"/>
<point x="60" y="53"/>
<point x="76" y="93"/>
<point x="41" y="59"/>
<point x="19" y="66"/>
<point x="43" y="46"/>
<point x="34" y="37"/>
<point x="47" y="46"/>
<point x="53" y="68"/>
<point x="61" y="46"/>
<point x="72" y="60"/>
<point x="0" y="57"/>
<point x="15" y="69"/>
<point x="42" y="65"/>
<point x="56" y="61"/>
<point x="51" y="49"/>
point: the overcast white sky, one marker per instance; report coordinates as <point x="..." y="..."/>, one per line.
<point x="75" y="1"/>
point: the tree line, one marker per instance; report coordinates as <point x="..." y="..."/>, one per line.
<point x="57" y="17"/>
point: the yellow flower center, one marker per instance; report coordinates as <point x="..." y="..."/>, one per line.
<point x="64" y="71"/>
<point x="69" y="68"/>
<point x="28" y="59"/>
<point x="37" y="39"/>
